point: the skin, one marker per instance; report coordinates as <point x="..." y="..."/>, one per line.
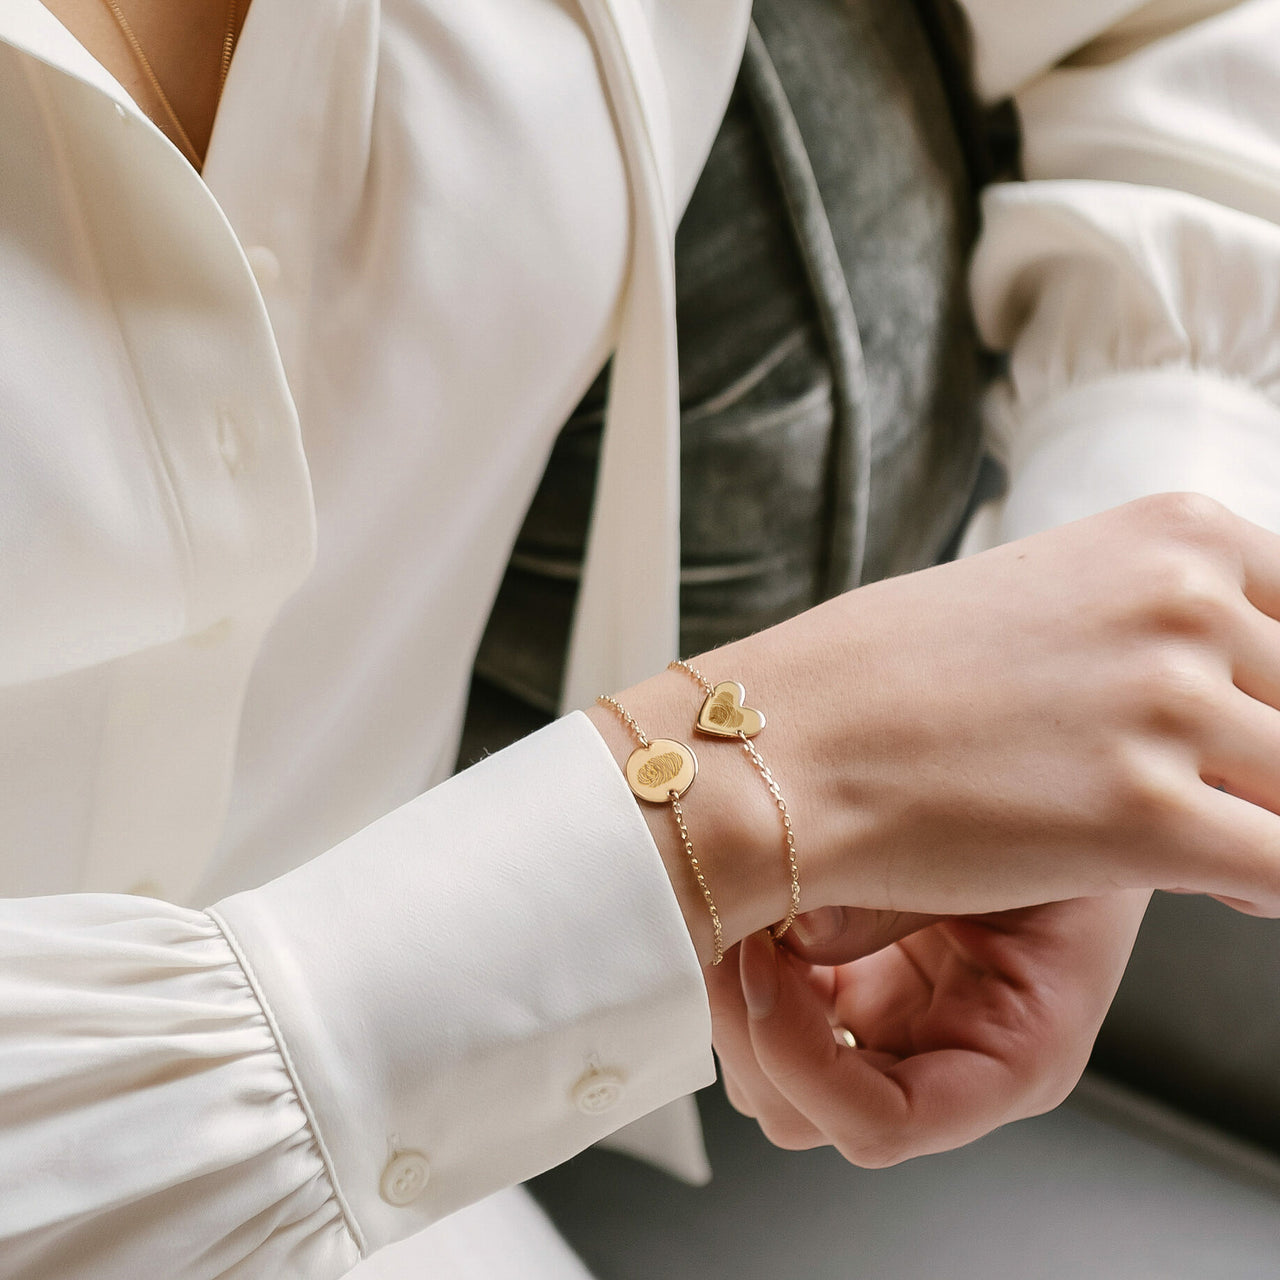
<point x="182" y="42"/>
<point x="962" y="1026"/>
<point x="1034" y="738"/>
<point x="1088" y="710"/>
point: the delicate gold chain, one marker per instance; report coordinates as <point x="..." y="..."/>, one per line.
<point x="228" y="48"/>
<point x="716" y="931"/>
<point x="793" y="866"/>
<point x="679" y="664"/>
<point x="607" y="701"/>
<point x="788" y="835"/>
<point x="673" y="798"/>
<point x="228" y="45"/>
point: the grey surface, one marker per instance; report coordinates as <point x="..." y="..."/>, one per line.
<point x="1197" y="1019"/>
<point x="1067" y="1196"/>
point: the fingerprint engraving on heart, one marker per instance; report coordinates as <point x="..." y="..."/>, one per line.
<point x="724" y="713"/>
<point x="663" y="768"/>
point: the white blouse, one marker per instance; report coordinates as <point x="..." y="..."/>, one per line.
<point x="1134" y="278"/>
<point x="267" y="440"/>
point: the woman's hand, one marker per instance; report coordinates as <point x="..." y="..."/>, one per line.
<point x="961" y="1027"/>
<point x="1087" y="710"/>
<point x="1045" y="721"/>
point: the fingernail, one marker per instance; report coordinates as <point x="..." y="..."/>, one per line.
<point x="822" y="925"/>
<point x="758" y="968"/>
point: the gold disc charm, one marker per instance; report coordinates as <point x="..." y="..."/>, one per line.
<point x="724" y="714"/>
<point x="662" y="769"/>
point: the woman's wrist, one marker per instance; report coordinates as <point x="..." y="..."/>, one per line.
<point x="732" y="821"/>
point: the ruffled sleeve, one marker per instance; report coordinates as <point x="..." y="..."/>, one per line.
<point x="148" y="1123"/>
<point x="470" y="990"/>
<point x="1134" y="279"/>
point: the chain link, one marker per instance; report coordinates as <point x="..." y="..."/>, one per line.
<point x="681" y="665"/>
<point x="794" y="868"/>
<point x="717" y="939"/>
<point x="607" y="701"/>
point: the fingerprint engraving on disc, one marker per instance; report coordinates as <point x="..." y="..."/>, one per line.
<point x="662" y="768"/>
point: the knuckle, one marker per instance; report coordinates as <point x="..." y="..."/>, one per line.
<point x="1056" y="1058"/>
<point x="1268" y="908"/>
<point x="1178" y="693"/>
<point x="1255" y="874"/>
<point x="1188" y="597"/>
<point x="1188" y="517"/>
<point x="1052" y="1094"/>
<point x="1149" y="798"/>
<point x="786" y="1073"/>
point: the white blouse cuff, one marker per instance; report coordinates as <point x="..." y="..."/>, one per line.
<point x="480" y="984"/>
<point x="1121" y="437"/>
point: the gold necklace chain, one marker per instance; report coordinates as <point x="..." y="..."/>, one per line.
<point x="228" y="48"/>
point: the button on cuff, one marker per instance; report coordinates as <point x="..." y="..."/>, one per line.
<point x="598" y="1091"/>
<point x="405" y="1178"/>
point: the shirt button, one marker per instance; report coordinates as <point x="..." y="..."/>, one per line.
<point x="404" y="1178"/>
<point x="264" y="264"/>
<point x="598" y="1091"/>
<point x="230" y="444"/>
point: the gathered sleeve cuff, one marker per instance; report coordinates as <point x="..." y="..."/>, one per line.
<point x="1133" y="281"/>
<point x="1140" y="326"/>
<point x="148" y="1123"/>
<point x="470" y="990"/>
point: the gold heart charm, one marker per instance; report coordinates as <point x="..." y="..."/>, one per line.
<point x="663" y="767"/>
<point x="723" y="714"/>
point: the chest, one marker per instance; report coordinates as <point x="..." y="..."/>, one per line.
<point x="171" y="59"/>
<point x="413" y="226"/>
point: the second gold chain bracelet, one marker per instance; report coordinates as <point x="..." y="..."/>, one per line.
<point x="724" y="714"/>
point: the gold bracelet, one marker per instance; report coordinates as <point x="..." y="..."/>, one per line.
<point x="660" y="771"/>
<point x="724" y="714"/>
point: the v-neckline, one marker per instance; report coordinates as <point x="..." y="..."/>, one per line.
<point x="42" y="33"/>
